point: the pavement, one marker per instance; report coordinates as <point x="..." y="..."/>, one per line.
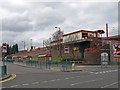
<point x="89" y="77"/>
<point x="78" y="67"/>
<point x="24" y="65"/>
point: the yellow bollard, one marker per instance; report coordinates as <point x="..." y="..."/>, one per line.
<point x="73" y="66"/>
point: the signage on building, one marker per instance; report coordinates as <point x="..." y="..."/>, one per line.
<point x="75" y="48"/>
<point x="116" y="49"/>
<point x="4" y="49"/>
<point x="66" y="49"/>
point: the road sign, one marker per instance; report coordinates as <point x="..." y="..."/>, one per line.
<point x="4" y="49"/>
<point x="66" y="49"/>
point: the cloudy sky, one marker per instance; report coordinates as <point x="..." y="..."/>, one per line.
<point x="22" y="20"/>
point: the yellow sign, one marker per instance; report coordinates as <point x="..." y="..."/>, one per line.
<point x="75" y="48"/>
<point x="117" y="58"/>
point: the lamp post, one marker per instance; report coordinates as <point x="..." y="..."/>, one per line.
<point x="24" y="46"/>
<point x="59" y="43"/>
<point x="31" y="44"/>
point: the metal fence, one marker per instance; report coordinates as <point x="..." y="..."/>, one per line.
<point x="44" y="65"/>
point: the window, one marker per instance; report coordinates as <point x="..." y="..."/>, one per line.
<point x="84" y="35"/>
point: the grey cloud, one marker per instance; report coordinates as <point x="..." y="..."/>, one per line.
<point x="17" y="24"/>
<point x="37" y="20"/>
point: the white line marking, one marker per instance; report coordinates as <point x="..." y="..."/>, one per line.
<point x="104" y="72"/>
<point x="91" y="72"/>
<point x="66" y="78"/>
<point x="101" y="72"/>
<point x="97" y="73"/>
<point x="52" y="80"/>
<point x="115" y="70"/>
<point x="25" y="84"/>
<point x="44" y="81"/>
<point x="109" y="71"/>
<point x="72" y="77"/>
<point x="58" y="79"/>
<point x="14" y="86"/>
<point x="86" y="81"/>
<point x="35" y="83"/>
<point x="110" y="84"/>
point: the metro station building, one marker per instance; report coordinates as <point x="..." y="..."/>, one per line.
<point x="82" y="39"/>
<point x="80" y="35"/>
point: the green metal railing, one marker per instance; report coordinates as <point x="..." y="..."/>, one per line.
<point x="66" y="66"/>
<point x="10" y="61"/>
<point x="20" y="61"/>
<point x="3" y="70"/>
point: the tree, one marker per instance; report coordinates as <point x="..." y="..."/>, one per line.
<point x="16" y="48"/>
<point x="55" y="36"/>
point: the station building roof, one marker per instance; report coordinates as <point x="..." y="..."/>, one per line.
<point x="84" y="31"/>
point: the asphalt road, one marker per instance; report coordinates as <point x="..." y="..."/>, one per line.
<point x="36" y="78"/>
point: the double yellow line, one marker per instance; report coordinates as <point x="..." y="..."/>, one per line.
<point x="12" y="77"/>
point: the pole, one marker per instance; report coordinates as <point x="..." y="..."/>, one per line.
<point x="107" y="31"/>
<point x="10" y="51"/>
<point x="43" y="43"/>
<point x="101" y="39"/>
<point x="59" y="45"/>
<point x="90" y="41"/>
<point x="31" y="43"/>
<point x="24" y="47"/>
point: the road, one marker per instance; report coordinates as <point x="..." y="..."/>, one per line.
<point x="36" y="78"/>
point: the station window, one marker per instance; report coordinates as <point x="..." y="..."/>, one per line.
<point x="84" y="35"/>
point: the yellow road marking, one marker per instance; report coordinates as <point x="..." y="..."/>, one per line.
<point x="13" y="76"/>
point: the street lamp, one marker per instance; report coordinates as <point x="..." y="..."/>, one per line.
<point x="31" y="44"/>
<point x="24" y="46"/>
<point x="59" y="44"/>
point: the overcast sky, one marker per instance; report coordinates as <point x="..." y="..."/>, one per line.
<point x="22" y="21"/>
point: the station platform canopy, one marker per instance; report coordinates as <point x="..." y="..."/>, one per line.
<point x="18" y="56"/>
<point x="45" y="55"/>
<point x="29" y="56"/>
<point x="14" y="56"/>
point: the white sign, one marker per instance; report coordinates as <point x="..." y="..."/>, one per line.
<point x="50" y="58"/>
<point x="30" y="59"/>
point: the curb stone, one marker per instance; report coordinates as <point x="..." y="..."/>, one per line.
<point x="5" y="77"/>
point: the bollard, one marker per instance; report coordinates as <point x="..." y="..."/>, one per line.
<point x="63" y="65"/>
<point x="73" y="66"/>
<point x="49" y="64"/>
<point x="40" y="64"/>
